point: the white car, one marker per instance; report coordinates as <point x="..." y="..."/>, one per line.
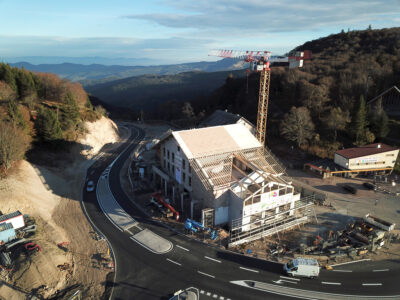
<point x="90" y="186"/>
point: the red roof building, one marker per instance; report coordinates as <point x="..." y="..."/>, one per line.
<point x="373" y="156"/>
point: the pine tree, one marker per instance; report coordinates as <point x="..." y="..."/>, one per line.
<point x="7" y="75"/>
<point x="47" y="126"/>
<point x="15" y="114"/>
<point x="25" y="83"/>
<point x="379" y="121"/>
<point x="69" y="112"/>
<point x="359" y="122"/>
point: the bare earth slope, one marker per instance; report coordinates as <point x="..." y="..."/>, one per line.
<point x="51" y="196"/>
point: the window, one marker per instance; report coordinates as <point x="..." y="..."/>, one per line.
<point x="165" y="163"/>
<point x="390" y="154"/>
<point x="168" y="154"/>
<point x="183" y="164"/>
<point x="168" y="167"/>
<point x="173" y="157"/>
<point x="190" y="181"/>
<point x="164" y="151"/>
<point x="190" y="169"/>
<point x="179" y="149"/>
<point x="183" y="177"/>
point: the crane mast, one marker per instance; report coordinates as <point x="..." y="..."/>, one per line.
<point x="263" y="59"/>
<point x="263" y="95"/>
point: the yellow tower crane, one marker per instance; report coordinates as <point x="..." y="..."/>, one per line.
<point x="261" y="61"/>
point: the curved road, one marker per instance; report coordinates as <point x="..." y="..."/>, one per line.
<point x="218" y="274"/>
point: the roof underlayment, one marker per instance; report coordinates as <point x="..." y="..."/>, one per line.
<point x="196" y="143"/>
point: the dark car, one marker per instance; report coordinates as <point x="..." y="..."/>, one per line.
<point x="369" y="186"/>
<point x="350" y="189"/>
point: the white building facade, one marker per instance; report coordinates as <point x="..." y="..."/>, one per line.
<point x="226" y="169"/>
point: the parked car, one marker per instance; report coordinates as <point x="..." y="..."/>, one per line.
<point x="350" y="189"/>
<point x="90" y="186"/>
<point x="369" y="186"/>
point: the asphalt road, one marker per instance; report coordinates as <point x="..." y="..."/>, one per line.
<point x="141" y="274"/>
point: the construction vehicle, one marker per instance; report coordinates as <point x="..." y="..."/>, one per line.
<point x="261" y="60"/>
<point x="169" y="210"/>
<point x="194" y="226"/>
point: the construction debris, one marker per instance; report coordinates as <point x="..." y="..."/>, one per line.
<point x="358" y="238"/>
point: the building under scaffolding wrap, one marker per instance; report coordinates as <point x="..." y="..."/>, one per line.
<point x="229" y="175"/>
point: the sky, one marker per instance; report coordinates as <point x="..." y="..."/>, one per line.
<point x="146" y="32"/>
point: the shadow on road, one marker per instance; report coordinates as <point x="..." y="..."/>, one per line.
<point x="250" y="262"/>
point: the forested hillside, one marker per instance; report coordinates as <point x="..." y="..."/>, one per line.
<point x="159" y="96"/>
<point x="39" y="108"/>
<point x="327" y="96"/>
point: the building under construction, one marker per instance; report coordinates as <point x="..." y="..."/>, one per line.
<point x="224" y="175"/>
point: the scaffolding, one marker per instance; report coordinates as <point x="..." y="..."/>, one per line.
<point x="221" y="171"/>
<point x="303" y="212"/>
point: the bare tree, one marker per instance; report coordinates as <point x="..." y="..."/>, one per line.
<point x="297" y="125"/>
<point x="6" y="92"/>
<point x="14" y="142"/>
<point x="187" y="110"/>
<point x="337" y="120"/>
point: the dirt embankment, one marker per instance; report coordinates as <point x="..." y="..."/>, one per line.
<point x="50" y="195"/>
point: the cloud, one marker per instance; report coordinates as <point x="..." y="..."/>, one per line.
<point x="264" y="16"/>
<point x="158" y="50"/>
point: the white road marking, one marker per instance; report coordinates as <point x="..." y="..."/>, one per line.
<point x="371" y="284"/>
<point x="283" y="280"/>
<point x="291" y="278"/>
<point x="215" y="296"/>
<point x="345" y="271"/>
<point x="221" y="298"/>
<point x="174" y="262"/>
<point x="255" y="271"/>
<point x="202" y="292"/>
<point x="212" y="276"/>
<point x="332" y="283"/>
<point x="216" y="260"/>
<point x="208" y="294"/>
<point x="351" y="262"/>
<point x="383" y="270"/>
<point x="182" y="248"/>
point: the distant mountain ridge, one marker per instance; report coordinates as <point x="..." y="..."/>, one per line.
<point x="97" y="73"/>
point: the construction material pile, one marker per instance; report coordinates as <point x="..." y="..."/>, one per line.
<point x="358" y="238"/>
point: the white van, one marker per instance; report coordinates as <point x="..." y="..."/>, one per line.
<point x="306" y="267"/>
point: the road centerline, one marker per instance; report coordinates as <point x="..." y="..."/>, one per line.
<point x="205" y="274"/>
<point x="213" y="259"/>
<point x="174" y="262"/>
<point x="331" y="283"/>
<point x="383" y="270"/>
<point x="250" y="270"/>
<point x="372" y="284"/>
<point x="183" y="248"/>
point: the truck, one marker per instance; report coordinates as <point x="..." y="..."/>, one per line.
<point x="306" y="267"/>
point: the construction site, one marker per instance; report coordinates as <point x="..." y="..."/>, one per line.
<point x="220" y="184"/>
